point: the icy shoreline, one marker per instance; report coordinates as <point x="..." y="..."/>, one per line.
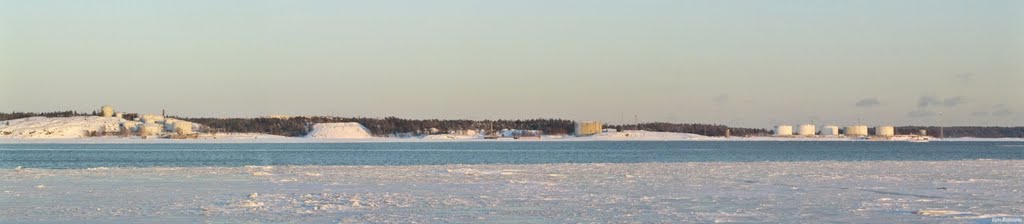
<point x="786" y="192"/>
<point x="282" y="139"/>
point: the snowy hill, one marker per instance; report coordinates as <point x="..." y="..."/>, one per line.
<point x="57" y="127"/>
<point x="339" y="130"/>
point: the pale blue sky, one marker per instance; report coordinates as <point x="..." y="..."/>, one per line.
<point x="748" y="63"/>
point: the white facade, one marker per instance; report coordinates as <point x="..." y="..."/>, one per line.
<point x="830" y="130"/>
<point x="806" y="130"/>
<point x="856" y="130"/>
<point x="885" y="131"/>
<point x="783" y="130"/>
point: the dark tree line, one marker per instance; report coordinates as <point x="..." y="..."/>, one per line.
<point x="965" y="131"/>
<point x="18" y="115"/>
<point x="701" y="129"/>
<point x="390" y="126"/>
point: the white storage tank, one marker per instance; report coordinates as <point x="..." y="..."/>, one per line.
<point x="169" y="124"/>
<point x="129" y="125"/>
<point x="107" y="111"/>
<point x="152" y="119"/>
<point x="119" y="115"/>
<point x="830" y="130"/>
<point x="587" y="128"/>
<point x="856" y="130"/>
<point x="806" y="130"/>
<point x="885" y="131"/>
<point x="182" y="127"/>
<point x="150" y="129"/>
<point x="783" y="130"/>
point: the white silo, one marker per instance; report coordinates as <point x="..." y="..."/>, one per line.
<point x="107" y="111"/>
<point x="805" y="130"/>
<point x="885" y="131"/>
<point x="783" y="130"/>
<point x="856" y="130"/>
<point x="830" y="130"/>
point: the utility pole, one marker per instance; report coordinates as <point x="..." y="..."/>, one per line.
<point x="637" y="120"/>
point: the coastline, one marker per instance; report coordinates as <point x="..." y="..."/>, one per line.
<point x="270" y="139"/>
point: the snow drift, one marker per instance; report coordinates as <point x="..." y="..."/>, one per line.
<point x="58" y="127"/>
<point x="339" y="130"/>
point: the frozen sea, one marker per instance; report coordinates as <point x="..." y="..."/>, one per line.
<point x="514" y="182"/>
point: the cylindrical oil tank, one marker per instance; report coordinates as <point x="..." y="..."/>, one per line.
<point x="587" y="128"/>
<point x="169" y="124"/>
<point x="856" y="130"/>
<point x="885" y="131"/>
<point x="805" y="130"/>
<point x="152" y="119"/>
<point x="182" y="127"/>
<point x="150" y="129"/>
<point x="107" y="111"/>
<point x="131" y="126"/>
<point x="783" y="130"/>
<point x="830" y="130"/>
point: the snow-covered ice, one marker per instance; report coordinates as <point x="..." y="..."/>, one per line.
<point x="772" y="192"/>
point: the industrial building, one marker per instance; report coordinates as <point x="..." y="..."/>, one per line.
<point x="806" y="130"/>
<point x="856" y="130"/>
<point x="587" y="128"/>
<point x="150" y="124"/>
<point x="783" y="130"/>
<point x="885" y="131"/>
<point x="830" y="130"/>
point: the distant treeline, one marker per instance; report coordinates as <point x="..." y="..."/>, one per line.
<point x="17" y="115"/>
<point x="392" y="126"/>
<point x="700" y="129"/>
<point x="965" y="131"/>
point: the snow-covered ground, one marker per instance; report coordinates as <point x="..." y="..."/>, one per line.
<point x="57" y="127"/>
<point x="347" y="130"/>
<point x="771" y="192"/>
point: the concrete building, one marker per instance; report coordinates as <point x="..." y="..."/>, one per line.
<point x="783" y="130"/>
<point x="587" y="128"/>
<point x="885" y="131"/>
<point x="806" y="130"/>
